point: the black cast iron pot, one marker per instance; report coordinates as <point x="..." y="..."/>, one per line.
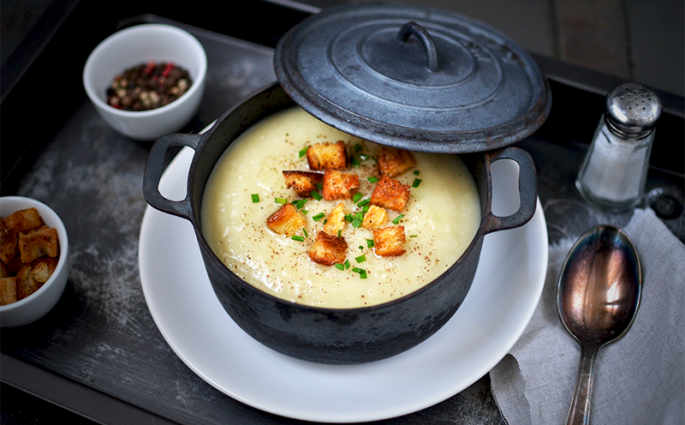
<point x="326" y="335"/>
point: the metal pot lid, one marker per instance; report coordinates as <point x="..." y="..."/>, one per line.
<point x="413" y="78"/>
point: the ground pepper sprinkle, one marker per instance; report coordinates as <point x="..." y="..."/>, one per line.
<point x="148" y="86"/>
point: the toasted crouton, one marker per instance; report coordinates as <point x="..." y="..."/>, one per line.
<point x="287" y="220"/>
<point x="389" y="241"/>
<point x="24" y="220"/>
<point x="42" y="268"/>
<point x="335" y="221"/>
<point x="38" y="243"/>
<point x="375" y="218"/>
<point x="8" y="290"/>
<point x="26" y="284"/>
<point x="339" y="185"/>
<point x="328" y="249"/>
<point x="393" y="162"/>
<point x="304" y="182"/>
<point x="390" y="194"/>
<point x="327" y="155"/>
<point x="9" y="248"/>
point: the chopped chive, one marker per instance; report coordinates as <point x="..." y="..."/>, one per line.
<point x="280" y="201"/>
<point x="299" y="203"/>
<point x="347" y="264"/>
<point x="372" y="179"/>
<point x="319" y="186"/>
<point x="365" y="208"/>
<point x="416" y="173"/>
<point x="339" y="266"/>
<point x="319" y="216"/>
<point x="364" y="156"/>
<point x="358" y="219"/>
<point x="362" y="272"/>
<point x="325" y="221"/>
<point x="364" y="202"/>
<point x="361" y="247"/>
<point x="398" y="218"/>
<point x="255" y="198"/>
<point x="305" y="232"/>
<point x="357" y="148"/>
<point x="369" y="243"/>
<point x="339" y="233"/>
<point x="357" y="196"/>
<point x="305" y="212"/>
<point x="303" y="152"/>
<point x="316" y="195"/>
<point x="349" y="217"/>
<point x="416" y="183"/>
<point x="413" y="236"/>
<point x="298" y="238"/>
<point x="361" y="258"/>
<point x="355" y="161"/>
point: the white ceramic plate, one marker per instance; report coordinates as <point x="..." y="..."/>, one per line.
<point x="504" y="294"/>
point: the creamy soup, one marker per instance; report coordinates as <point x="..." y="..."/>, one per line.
<point x="440" y="218"/>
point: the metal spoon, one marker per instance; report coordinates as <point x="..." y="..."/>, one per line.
<point x="597" y="297"/>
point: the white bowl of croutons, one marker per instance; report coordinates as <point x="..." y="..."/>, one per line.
<point x="34" y="260"/>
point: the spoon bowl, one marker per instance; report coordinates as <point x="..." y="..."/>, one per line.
<point x="598" y="296"/>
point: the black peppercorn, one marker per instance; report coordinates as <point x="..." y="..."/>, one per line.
<point x="148" y="86"/>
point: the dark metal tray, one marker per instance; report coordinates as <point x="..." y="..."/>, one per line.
<point x="99" y="353"/>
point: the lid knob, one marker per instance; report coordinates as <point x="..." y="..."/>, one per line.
<point x="412" y="28"/>
<point x="632" y="109"/>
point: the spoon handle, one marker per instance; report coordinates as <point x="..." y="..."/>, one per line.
<point x="579" y="413"/>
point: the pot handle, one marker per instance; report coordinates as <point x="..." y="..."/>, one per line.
<point x="528" y="183"/>
<point x="155" y="168"/>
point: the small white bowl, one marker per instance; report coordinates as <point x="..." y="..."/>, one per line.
<point x="44" y="299"/>
<point x="134" y="46"/>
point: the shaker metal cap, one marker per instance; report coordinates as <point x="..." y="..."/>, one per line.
<point x="413" y="78"/>
<point x="632" y="109"/>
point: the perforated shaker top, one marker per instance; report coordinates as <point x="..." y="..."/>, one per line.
<point x="633" y="109"/>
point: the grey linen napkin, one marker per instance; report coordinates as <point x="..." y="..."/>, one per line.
<point x="639" y="379"/>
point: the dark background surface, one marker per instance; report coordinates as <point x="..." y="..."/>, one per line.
<point x="98" y="352"/>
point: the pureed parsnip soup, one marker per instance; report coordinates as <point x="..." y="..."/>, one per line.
<point x="309" y="250"/>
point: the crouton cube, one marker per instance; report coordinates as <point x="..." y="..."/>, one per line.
<point x="339" y="185"/>
<point x="42" y="268"/>
<point x="287" y="220"/>
<point x="24" y="220"/>
<point x="393" y="162"/>
<point x="375" y="218"/>
<point x="390" y="194"/>
<point x="303" y="182"/>
<point x="9" y="247"/>
<point x="327" y="155"/>
<point x="335" y="221"/>
<point x="328" y="249"/>
<point x="8" y="290"/>
<point x="26" y="284"/>
<point x="389" y="241"/>
<point x="38" y="243"/>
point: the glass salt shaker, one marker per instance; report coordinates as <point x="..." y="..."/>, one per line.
<point x="614" y="171"/>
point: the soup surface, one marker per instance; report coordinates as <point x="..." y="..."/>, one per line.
<point x="440" y="218"/>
